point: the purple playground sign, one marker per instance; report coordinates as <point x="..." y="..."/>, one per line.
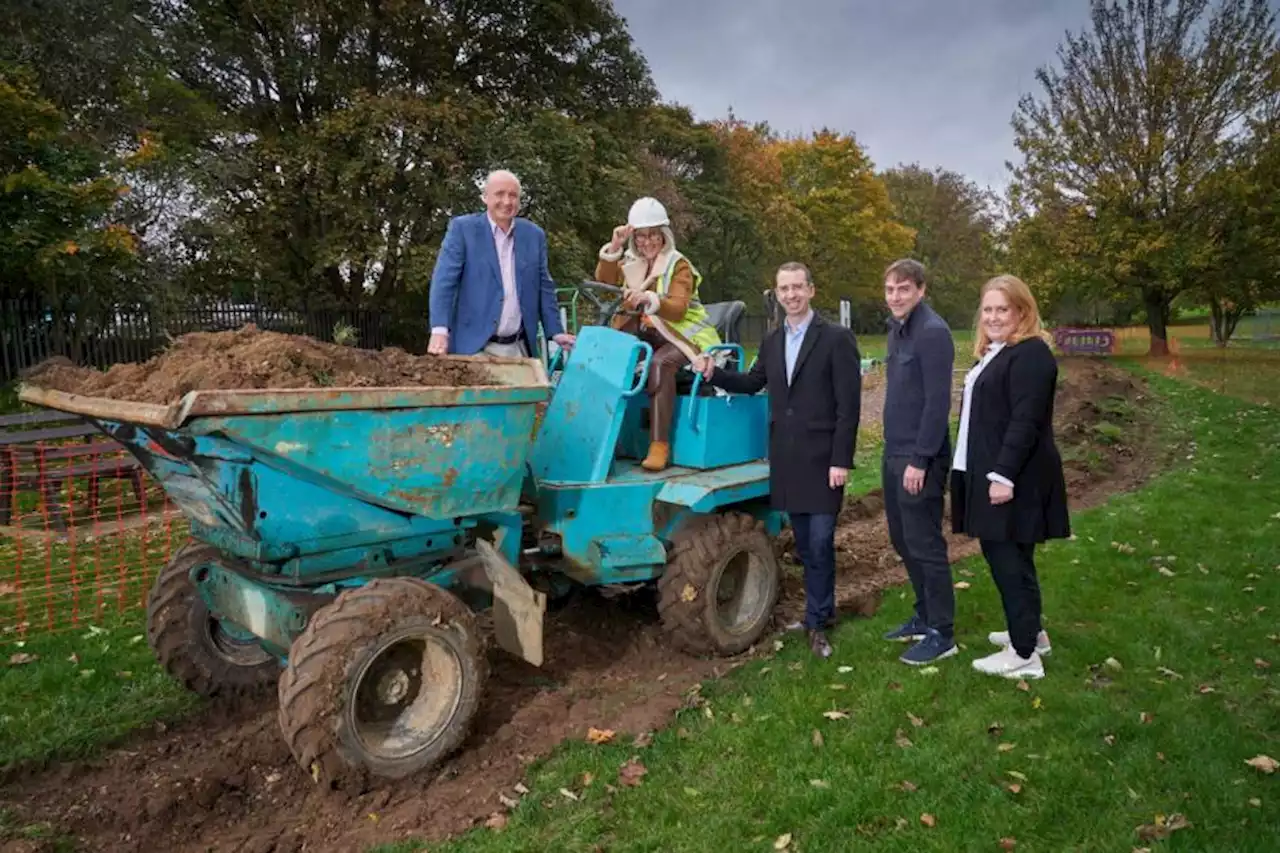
<point x="1085" y="341"/>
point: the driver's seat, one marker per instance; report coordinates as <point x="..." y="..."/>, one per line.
<point x="727" y="318"/>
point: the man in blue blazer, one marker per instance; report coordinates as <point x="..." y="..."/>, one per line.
<point x="491" y="287"/>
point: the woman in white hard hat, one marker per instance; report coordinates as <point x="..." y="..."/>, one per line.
<point x="658" y="280"/>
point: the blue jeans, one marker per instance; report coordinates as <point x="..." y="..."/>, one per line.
<point x="816" y="545"/>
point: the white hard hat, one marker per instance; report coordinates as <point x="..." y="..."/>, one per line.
<point x="647" y="213"/>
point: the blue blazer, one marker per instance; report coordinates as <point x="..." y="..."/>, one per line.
<point x="466" y="285"/>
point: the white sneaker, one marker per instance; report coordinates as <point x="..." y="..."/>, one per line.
<point x="1001" y="638"/>
<point x="1006" y="663"/>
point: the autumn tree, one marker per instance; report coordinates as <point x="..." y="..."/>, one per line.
<point x="1146" y="105"/>
<point x="954" y="223"/>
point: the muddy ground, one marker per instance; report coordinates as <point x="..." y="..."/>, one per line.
<point x="251" y="358"/>
<point x="224" y="780"/>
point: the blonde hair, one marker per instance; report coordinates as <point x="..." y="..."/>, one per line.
<point x="1019" y="296"/>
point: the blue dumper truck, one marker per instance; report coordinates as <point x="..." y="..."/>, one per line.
<point x="343" y="540"/>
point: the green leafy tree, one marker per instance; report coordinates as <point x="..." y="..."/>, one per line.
<point x="1145" y="106"/>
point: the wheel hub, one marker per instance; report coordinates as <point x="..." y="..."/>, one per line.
<point x="740" y="601"/>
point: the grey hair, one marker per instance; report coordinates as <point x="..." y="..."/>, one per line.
<point x="496" y="173"/>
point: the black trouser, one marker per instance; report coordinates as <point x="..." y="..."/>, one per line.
<point x="816" y="545"/>
<point x="1013" y="568"/>
<point x="915" y="528"/>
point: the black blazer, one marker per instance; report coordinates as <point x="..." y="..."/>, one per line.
<point x="813" y="422"/>
<point x="1011" y="434"/>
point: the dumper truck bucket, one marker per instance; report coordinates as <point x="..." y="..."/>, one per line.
<point x="288" y="470"/>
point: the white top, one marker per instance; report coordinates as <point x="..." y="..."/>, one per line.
<point x="962" y="438"/>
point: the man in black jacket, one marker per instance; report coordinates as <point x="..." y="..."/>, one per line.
<point x="917" y="456"/>
<point x="813" y="372"/>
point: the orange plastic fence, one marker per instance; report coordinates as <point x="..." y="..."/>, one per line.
<point x="83" y="531"/>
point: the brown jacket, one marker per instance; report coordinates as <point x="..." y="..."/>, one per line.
<point x="671" y="307"/>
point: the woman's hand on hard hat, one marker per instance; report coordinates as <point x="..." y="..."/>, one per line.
<point x="620" y="235"/>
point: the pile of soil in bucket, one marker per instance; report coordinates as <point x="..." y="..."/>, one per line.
<point x="250" y="358"/>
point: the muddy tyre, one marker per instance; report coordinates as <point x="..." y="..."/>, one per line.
<point x="720" y="586"/>
<point x="191" y="645"/>
<point x="384" y="682"/>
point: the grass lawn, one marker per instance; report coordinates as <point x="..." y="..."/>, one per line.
<point x="1160" y="687"/>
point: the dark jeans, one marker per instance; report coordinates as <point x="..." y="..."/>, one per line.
<point x="816" y="545"/>
<point x="1013" y="568"/>
<point x="915" y="528"/>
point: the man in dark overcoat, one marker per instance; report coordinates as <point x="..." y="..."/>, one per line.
<point x="813" y="373"/>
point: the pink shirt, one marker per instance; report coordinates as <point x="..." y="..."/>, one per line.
<point x="505" y="244"/>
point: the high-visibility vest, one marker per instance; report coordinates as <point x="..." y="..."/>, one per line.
<point x="694" y="327"/>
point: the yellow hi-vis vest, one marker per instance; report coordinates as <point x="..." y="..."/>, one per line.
<point x="695" y="327"/>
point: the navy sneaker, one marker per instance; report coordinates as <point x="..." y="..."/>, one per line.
<point x="934" y="647"/>
<point x="913" y="629"/>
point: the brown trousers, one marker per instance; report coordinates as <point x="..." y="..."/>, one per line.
<point x="667" y="360"/>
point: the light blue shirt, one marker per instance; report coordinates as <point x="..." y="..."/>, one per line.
<point x="794" y="338"/>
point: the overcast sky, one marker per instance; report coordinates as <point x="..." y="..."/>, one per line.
<point x="928" y="81"/>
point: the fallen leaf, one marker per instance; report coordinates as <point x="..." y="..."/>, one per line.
<point x="1023" y="686"/>
<point x="901" y="739"/>
<point x="1016" y="775"/>
<point x="75" y="658"/>
<point x="587" y="779"/>
<point x="1014" y="788"/>
<point x="521" y="789"/>
<point x="689" y="593"/>
<point x="995" y="729"/>
<point x="929" y="670"/>
<point x="1205" y="688"/>
<point x="1265" y="763"/>
<point x="817" y="739"/>
<point x="507" y="801"/>
<point x="1255" y="802"/>
<point x="777" y="645"/>
<point x="893" y="685"/>
<point x="1008" y="843"/>
<point x="838" y="686"/>
<point x="1160" y="757"/>
<point x="819" y="783"/>
<point x="782" y="842"/>
<point x="962" y="585"/>
<point x="1167" y="673"/>
<point x="835" y="715"/>
<point x="497" y="820"/>
<point x="642" y="740"/>
<point x="22" y="658"/>
<point x="629" y="774"/>
<point x="1109" y="740"/>
<point x="1261" y="664"/>
<point x="844" y="669"/>
<point x="1113" y="665"/>
<point x="1006" y="747"/>
<point x="1145" y="717"/>
<point x="928" y="820"/>
<point x="599" y="736"/>
<point x="908" y="787"/>
<point x="1037" y="703"/>
<point x="7" y="588"/>
<point x="1167" y="572"/>
<point x="1163" y="828"/>
<point x="915" y="721"/>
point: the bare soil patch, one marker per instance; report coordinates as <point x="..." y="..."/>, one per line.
<point x="250" y="358"/>
<point x="225" y="781"/>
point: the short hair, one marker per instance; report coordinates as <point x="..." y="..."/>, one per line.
<point x="906" y="269"/>
<point x="796" y="266"/>
<point x="500" y="173"/>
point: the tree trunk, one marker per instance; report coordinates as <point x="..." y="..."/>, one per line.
<point x="1157" y="305"/>
<point x="1224" y="317"/>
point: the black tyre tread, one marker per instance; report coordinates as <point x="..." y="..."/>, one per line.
<point x="317" y="667"/>
<point x="696" y="551"/>
<point x="169" y="633"/>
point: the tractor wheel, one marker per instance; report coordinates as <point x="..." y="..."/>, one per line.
<point x="720" y="585"/>
<point x="383" y="682"/>
<point x="194" y="647"/>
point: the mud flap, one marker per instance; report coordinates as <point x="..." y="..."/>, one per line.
<point x="517" y="607"/>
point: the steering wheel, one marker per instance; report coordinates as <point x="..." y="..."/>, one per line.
<point x="607" y="307"/>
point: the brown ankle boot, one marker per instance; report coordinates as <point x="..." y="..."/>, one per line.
<point x="659" y="456"/>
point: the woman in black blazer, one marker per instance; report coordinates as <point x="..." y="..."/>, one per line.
<point x="1007" y="485"/>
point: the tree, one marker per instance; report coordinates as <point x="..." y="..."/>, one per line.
<point x="954" y="224"/>
<point x="1145" y="107"/>
<point x="353" y="130"/>
<point x="849" y="234"/>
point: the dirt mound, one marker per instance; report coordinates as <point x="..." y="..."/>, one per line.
<point x="225" y="781"/>
<point x="250" y="358"/>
